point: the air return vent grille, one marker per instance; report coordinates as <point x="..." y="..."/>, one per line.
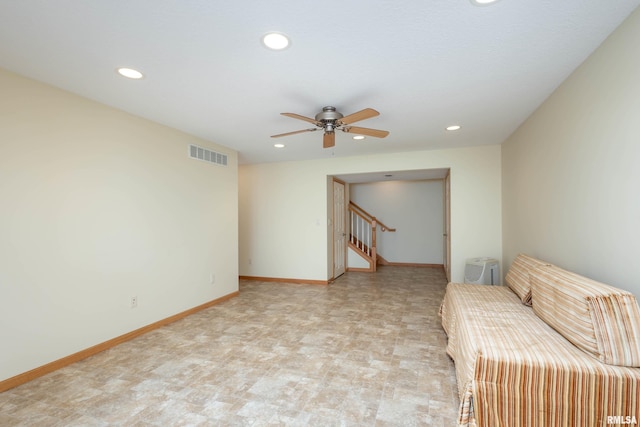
<point x="206" y="155"/>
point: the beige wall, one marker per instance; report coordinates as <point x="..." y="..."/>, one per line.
<point x="284" y="221"/>
<point x="98" y="206"/>
<point x="571" y="173"/>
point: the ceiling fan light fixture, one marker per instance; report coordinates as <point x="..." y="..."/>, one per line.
<point x="358" y="137"/>
<point x="130" y="73"/>
<point x="453" y="127"/>
<point x="279" y="145"/>
<point x="276" y="41"/>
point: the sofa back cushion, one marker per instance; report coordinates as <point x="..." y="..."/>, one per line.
<point x="518" y="276"/>
<point x="601" y="320"/>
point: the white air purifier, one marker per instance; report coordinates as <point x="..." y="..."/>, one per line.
<point x="482" y="271"/>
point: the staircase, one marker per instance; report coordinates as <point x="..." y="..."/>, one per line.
<point x="362" y="238"/>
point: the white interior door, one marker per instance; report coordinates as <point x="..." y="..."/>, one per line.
<point x="339" y="229"/>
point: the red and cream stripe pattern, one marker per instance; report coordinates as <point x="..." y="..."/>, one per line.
<point x="602" y="320"/>
<point x="515" y="370"/>
<point x="517" y="277"/>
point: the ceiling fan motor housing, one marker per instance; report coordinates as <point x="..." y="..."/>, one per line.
<point x="329" y="116"/>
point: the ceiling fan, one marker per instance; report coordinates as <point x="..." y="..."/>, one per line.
<point x="331" y="120"/>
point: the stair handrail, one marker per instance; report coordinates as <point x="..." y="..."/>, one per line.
<point x="357" y="209"/>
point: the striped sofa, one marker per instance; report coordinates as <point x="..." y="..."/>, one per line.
<point x="550" y="349"/>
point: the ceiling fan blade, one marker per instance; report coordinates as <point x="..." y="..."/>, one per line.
<point x="367" y="113"/>
<point x="329" y="139"/>
<point x="299" y="117"/>
<point x="366" y="131"/>
<point x="294" y="132"/>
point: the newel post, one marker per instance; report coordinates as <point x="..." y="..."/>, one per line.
<point x="374" y="227"/>
<point x="374" y="250"/>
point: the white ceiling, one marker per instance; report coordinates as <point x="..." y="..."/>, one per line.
<point x="423" y="64"/>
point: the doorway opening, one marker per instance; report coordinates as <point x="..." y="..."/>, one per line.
<point x="416" y="203"/>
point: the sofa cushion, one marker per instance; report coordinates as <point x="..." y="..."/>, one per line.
<point x="513" y="369"/>
<point x="601" y="320"/>
<point x="518" y="276"/>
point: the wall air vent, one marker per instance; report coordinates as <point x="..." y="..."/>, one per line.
<point x="206" y="155"/>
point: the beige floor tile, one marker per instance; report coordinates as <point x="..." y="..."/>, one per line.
<point x="367" y="350"/>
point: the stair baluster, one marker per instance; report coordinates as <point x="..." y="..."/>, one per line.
<point x="362" y="237"/>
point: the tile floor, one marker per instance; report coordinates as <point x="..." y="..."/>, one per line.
<point x="367" y="350"/>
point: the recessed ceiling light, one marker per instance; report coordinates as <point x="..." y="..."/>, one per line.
<point x="275" y="41"/>
<point x="279" y="145"/>
<point x="130" y="73"/>
<point x="358" y="137"/>
<point x="453" y="127"/>
<point x="483" y="2"/>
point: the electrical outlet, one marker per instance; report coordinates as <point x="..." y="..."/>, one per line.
<point x="134" y="301"/>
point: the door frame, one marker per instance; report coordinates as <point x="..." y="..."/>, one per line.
<point x="447" y="226"/>
<point x="333" y="228"/>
